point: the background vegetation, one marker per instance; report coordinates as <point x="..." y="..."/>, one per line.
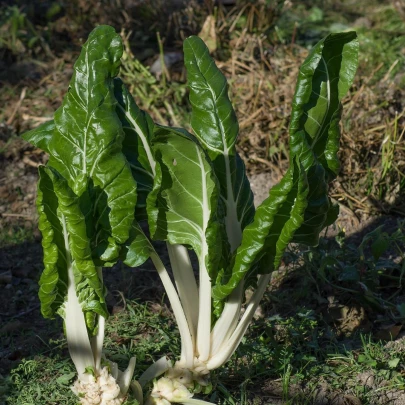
<point x="330" y="327"/>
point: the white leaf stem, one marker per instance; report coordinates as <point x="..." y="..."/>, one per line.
<point x="186" y="284"/>
<point x="192" y="401"/>
<point x="226" y="324"/>
<point x="229" y="347"/>
<point x="76" y="331"/>
<point x="155" y="370"/>
<point x="204" y="312"/>
<point x="187" y="347"/>
<point x="97" y="341"/>
<point x="125" y="377"/>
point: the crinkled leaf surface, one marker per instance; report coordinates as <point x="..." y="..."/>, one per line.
<point x="299" y="207"/>
<point x="86" y="141"/>
<point x="265" y="239"/>
<point x="101" y="176"/>
<point x="324" y="79"/>
<point x="183" y="205"/>
<point x="66" y="245"/>
<point x="213" y="117"/>
<point x="138" y="129"/>
<point x="53" y="281"/>
<point x="214" y="123"/>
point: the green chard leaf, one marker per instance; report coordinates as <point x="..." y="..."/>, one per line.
<point x="101" y="177"/>
<point x="66" y="248"/>
<point x="265" y="239"/>
<point x="183" y="205"/>
<point x="85" y="140"/>
<point x="41" y="135"/>
<point x="324" y="79"/>
<point x="137" y="248"/>
<point x="54" y="279"/>
<point x="138" y="128"/>
<point x="214" y="123"/>
<point x="298" y="208"/>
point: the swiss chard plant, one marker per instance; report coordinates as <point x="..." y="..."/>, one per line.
<point x="86" y="203"/>
<point x="111" y="167"/>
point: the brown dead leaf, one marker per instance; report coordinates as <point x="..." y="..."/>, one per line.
<point x="348" y="319"/>
<point x="208" y="34"/>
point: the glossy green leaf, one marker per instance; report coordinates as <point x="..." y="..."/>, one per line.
<point x="69" y="210"/>
<point x="265" y="239"/>
<point x="212" y="109"/>
<point x="324" y="78"/>
<point x="138" y="128"/>
<point x="214" y="123"/>
<point x="41" y="135"/>
<point x="320" y="210"/>
<point x="87" y="139"/>
<point x="183" y="205"/>
<point x="66" y="246"/>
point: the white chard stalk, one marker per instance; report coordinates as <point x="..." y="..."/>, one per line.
<point x="101" y="387"/>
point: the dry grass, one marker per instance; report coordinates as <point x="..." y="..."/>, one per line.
<point x="262" y="88"/>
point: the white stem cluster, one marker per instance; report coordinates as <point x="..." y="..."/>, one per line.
<point x="199" y="356"/>
<point x="166" y="391"/>
<point x="101" y="390"/>
<point x="178" y="384"/>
